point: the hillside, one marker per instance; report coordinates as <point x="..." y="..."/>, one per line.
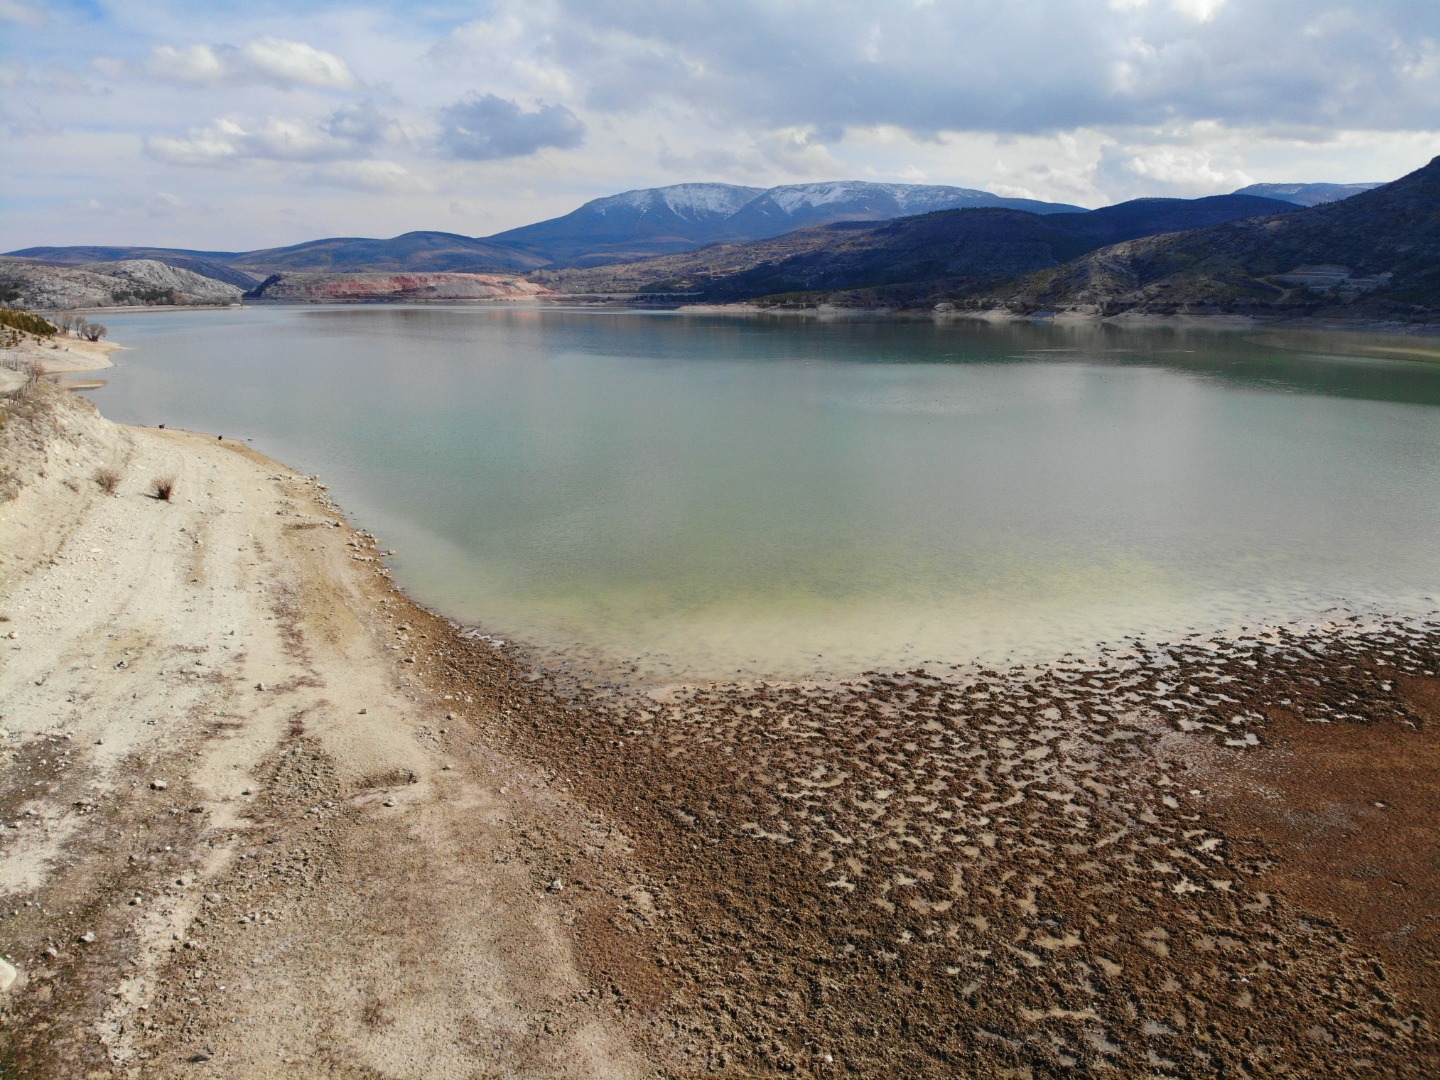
<point x="1374" y="255"/>
<point x="130" y="282"/>
<point x="909" y="258"/>
<point x="412" y="252"/>
<point x="381" y="286"/>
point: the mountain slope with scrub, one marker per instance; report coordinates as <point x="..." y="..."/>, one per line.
<point x="1374" y="255"/>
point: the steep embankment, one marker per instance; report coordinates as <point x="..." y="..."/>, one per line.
<point x="1374" y="255"/>
<point x="132" y="282"/>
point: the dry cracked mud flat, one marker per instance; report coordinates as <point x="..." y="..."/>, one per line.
<point x="1210" y="858"/>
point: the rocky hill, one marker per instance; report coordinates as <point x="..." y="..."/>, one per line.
<point x="131" y="282"/>
<point x="1374" y="255"/>
<point x="336" y="287"/>
<point x="904" y="260"/>
<point x="412" y="252"/>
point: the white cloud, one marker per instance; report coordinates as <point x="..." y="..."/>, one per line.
<point x="1199" y="10"/>
<point x="294" y="61"/>
<point x="194" y="63"/>
<point x="1186" y="168"/>
<point x="229" y="139"/>
<point x="385" y="177"/>
<point x="12" y="11"/>
<point x="276" y="61"/>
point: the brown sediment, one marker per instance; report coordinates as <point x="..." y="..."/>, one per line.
<point x="1349" y="811"/>
<point x="1118" y="864"/>
<point x="1161" y="860"/>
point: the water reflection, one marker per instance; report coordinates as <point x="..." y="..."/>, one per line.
<point x="718" y="493"/>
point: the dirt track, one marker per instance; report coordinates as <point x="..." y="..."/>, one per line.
<point x="385" y="848"/>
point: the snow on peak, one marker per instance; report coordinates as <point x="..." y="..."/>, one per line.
<point x="911" y="198"/>
<point x="689" y="201"/>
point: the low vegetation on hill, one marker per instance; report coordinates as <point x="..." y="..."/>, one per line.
<point x="904" y="261"/>
<point x="1375" y="255"/>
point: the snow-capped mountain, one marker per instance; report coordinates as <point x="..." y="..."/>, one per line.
<point x="1306" y="194"/>
<point x="666" y="220"/>
<point x="692" y="202"/>
<point x="795" y="206"/>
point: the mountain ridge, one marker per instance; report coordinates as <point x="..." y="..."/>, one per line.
<point x="909" y="257"/>
<point x="1373" y="255"/>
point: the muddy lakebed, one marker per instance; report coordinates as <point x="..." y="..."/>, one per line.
<point x="1095" y="730"/>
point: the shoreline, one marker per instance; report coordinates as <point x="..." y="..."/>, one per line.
<point x="364" y="814"/>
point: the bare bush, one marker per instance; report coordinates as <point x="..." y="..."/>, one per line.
<point x="108" y="479"/>
<point x="94" y="331"/>
<point x="163" y="488"/>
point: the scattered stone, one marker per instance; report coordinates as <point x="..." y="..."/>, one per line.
<point x="556" y="885"/>
<point x="259" y="686"/>
<point x="88" y="937"/>
<point x="158" y="785"/>
<point x="8" y="975"/>
<point x="389" y="802"/>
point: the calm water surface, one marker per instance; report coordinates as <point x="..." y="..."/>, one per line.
<point x="713" y="495"/>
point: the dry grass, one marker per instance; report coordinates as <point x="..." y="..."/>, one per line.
<point x="108" y="479"/>
<point x="163" y="488"/>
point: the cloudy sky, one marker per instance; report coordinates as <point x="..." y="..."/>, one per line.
<point x="235" y="125"/>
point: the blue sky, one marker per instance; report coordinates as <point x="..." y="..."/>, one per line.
<point x="240" y="125"/>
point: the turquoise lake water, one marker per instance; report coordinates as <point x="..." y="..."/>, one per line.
<point x="721" y="496"/>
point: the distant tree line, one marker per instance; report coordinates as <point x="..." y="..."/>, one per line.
<point x="147" y="296"/>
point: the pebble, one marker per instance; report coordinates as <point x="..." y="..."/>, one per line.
<point x="87" y="937"/>
<point x="158" y="785"/>
<point x="8" y="975"/>
<point x="556" y="885"/>
<point x="389" y="802"/>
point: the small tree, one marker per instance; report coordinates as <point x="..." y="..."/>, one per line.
<point x="94" y="331"/>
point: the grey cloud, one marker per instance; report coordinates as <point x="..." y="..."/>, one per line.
<point x="360" y="122"/>
<point x="975" y="65"/>
<point x="487" y="127"/>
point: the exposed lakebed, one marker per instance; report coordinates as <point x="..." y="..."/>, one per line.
<point x="686" y="497"/>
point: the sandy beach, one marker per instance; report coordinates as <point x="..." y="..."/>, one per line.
<point x="263" y="816"/>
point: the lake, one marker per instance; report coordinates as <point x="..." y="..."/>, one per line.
<point x="682" y="497"/>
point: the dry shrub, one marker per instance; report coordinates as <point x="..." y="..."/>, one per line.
<point x="163" y="488"/>
<point x="108" y="479"/>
